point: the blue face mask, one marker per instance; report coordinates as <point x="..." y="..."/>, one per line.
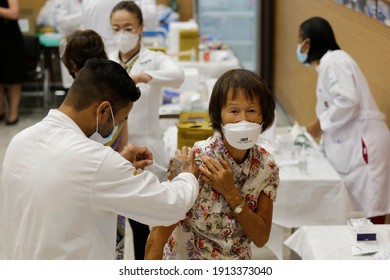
<point x="302" y="57"/>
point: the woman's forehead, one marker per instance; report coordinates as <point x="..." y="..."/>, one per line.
<point x="240" y="94"/>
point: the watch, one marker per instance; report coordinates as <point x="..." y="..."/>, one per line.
<point x="240" y="207"/>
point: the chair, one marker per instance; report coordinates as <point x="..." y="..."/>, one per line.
<point x="38" y="77"/>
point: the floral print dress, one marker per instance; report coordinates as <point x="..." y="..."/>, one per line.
<point x="210" y="229"/>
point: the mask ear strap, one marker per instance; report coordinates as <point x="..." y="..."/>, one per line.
<point x="112" y="115"/>
<point x="97" y="120"/>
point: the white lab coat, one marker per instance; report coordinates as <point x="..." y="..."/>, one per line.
<point x="62" y="193"/>
<point x="143" y="121"/>
<point x="348" y="117"/>
<point x="96" y="15"/>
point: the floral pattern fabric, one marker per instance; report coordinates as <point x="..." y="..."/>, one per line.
<point x="210" y="229"/>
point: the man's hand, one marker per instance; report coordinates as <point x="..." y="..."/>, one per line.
<point x="183" y="161"/>
<point x="140" y="157"/>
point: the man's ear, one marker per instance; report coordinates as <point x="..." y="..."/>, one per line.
<point x="103" y="111"/>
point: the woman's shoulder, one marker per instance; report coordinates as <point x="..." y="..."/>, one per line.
<point x="265" y="158"/>
<point x="335" y="56"/>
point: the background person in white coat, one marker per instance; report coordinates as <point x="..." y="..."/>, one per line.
<point x="355" y="137"/>
<point x="151" y="70"/>
<point x="71" y="15"/>
<point x="62" y="191"/>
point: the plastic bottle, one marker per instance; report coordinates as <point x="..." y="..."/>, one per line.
<point x="302" y="164"/>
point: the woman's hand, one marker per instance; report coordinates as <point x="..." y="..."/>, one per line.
<point x="315" y="129"/>
<point x="257" y="223"/>
<point x="218" y="175"/>
<point x="183" y="161"/>
<point x="140" y="78"/>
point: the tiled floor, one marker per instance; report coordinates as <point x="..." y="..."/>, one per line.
<point x="30" y="116"/>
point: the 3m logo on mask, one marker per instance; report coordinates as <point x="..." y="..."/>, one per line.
<point x="241" y="135"/>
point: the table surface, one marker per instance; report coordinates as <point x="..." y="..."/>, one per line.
<point x="335" y="242"/>
<point x="213" y="69"/>
<point x="315" y="197"/>
<point x="305" y="198"/>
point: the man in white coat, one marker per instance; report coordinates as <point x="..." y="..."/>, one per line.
<point x="62" y="191"/>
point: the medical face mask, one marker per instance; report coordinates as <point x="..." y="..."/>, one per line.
<point x="302" y="57"/>
<point x="126" y="41"/>
<point x="98" y="137"/>
<point x="242" y="135"/>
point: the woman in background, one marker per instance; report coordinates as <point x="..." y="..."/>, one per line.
<point x="238" y="181"/>
<point x="151" y="71"/>
<point x="354" y="135"/>
<point x="12" y="60"/>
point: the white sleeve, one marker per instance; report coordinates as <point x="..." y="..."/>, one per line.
<point x="340" y="84"/>
<point x="68" y="16"/>
<point x="117" y="188"/>
<point x="167" y="72"/>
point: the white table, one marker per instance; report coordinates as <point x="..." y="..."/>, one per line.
<point x="213" y="69"/>
<point x="335" y="242"/>
<point x="315" y="197"/>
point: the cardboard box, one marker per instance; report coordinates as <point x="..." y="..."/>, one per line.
<point x="29" y="11"/>
<point x="193" y="127"/>
<point x="27" y="21"/>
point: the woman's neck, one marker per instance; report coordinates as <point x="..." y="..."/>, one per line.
<point x="125" y="57"/>
<point x="239" y="156"/>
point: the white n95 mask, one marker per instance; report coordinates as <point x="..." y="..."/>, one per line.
<point x="242" y="135"/>
<point x="126" y="41"/>
<point x="96" y="136"/>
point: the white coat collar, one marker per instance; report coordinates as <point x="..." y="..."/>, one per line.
<point x="62" y="119"/>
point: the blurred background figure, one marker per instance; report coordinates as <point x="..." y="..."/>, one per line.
<point x="67" y="16"/>
<point x="354" y="134"/>
<point x="12" y="61"/>
<point x="151" y="71"/>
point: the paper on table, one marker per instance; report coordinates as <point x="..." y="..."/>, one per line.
<point x="359" y="250"/>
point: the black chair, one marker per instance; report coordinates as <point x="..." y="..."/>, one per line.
<point x="38" y="77"/>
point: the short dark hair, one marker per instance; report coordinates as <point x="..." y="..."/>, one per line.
<point x="102" y="80"/>
<point x="251" y="85"/>
<point x="321" y="36"/>
<point x="131" y="7"/>
<point x="81" y="46"/>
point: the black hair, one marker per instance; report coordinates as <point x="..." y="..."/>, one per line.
<point x="321" y="36"/>
<point x="131" y="7"/>
<point x="251" y="85"/>
<point x="102" y="80"/>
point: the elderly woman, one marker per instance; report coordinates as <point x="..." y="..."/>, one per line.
<point x="238" y="183"/>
